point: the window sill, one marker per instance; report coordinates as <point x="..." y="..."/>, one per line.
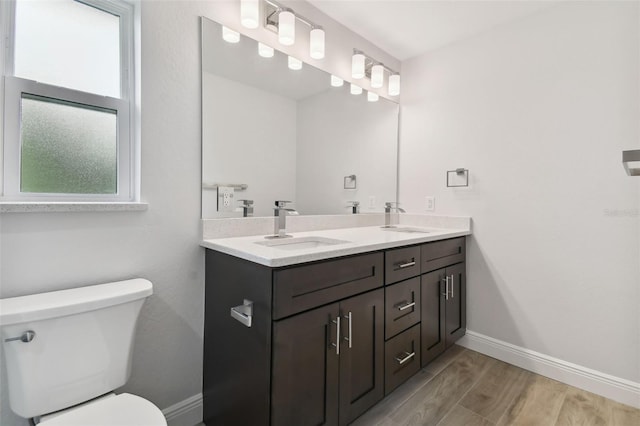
<point x="70" y="206"/>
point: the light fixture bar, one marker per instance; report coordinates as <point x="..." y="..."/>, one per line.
<point x="273" y="8"/>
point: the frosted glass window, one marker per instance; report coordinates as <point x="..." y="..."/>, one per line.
<point x="68" y="44"/>
<point x="67" y="148"/>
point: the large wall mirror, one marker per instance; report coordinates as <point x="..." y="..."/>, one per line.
<point x="272" y="133"/>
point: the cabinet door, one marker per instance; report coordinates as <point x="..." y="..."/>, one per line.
<point x="305" y="369"/>
<point x="433" y="315"/>
<point x="361" y="354"/>
<point x="456" y="309"/>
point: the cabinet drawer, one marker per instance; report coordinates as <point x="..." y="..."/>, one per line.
<point x="439" y="254"/>
<point x="402" y="358"/>
<point x="401" y="263"/>
<point x="402" y="306"/>
<point x="304" y="287"/>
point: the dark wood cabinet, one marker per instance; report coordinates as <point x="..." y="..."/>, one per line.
<point x="443" y="297"/>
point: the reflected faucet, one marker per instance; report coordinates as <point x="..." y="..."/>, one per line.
<point x="247" y="208"/>
<point x="388" y="206"/>
<point x="280" y="215"/>
<point x="355" y="206"/>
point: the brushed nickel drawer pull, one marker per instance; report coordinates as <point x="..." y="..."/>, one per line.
<point x="446" y="287"/>
<point x="406" y="358"/>
<point x="406" y="306"/>
<point x="349" y="339"/>
<point x="452" y="286"/>
<point x="243" y="313"/>
<point x="337" y="343"/>
<point x="406" y="265"/>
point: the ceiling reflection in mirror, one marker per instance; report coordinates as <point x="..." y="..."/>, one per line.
<point x="271" y="133"/>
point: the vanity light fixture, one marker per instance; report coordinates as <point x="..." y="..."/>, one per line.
<point x="355" y="89"/>
<point x="265" y="51"/>
<point x="229" y="35"/>
<point x="295" y="63"/>
<point x="336" y="81"/>
<point x="250" y="13"/>
<point x="282" y="20"/>
<point x="363" y="65"/>
<point x="372" y="97"/>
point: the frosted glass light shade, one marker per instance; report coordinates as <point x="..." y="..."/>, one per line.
<point x="229" y="35"/>
<point x="372" y="97"/>
<point x="394" y="85"/>
<point x="286" y="28"/>
<point x="336" y="81"/>
<point x="377" y="76"/>
<point x="357" y="65"/>
<point x="294" y="63"/>
<point x="265" y="51"/>
<point x="250" y="13"/>
<point x="316" y="43"/>
<point x="355" y="90"/>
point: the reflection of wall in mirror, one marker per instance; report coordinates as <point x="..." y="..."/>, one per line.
<point x="249" y="138"/>
<point x="339" y="135"/>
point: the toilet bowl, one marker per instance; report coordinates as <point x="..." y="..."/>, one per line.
<point x="66" y="351"/>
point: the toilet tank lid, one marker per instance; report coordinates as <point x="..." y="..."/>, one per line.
<point x="35" y="307"/>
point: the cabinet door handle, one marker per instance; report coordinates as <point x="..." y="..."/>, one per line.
<point x="337" y="343"/>
<point x="243" y="313"/>
<point x="406" y="306"/>
<point x="446" y="287"/>
<point x="406" y="265"/>
<point x="406" y="358"/>
<point x="452" y="286"/>
<point x="349" y="339"/>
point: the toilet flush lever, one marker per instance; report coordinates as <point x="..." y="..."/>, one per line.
<point x="26" y="337"/>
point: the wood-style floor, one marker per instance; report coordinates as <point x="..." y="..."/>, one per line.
<point x="465" y="388"/>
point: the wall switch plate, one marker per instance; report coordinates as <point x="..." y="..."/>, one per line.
<point x="429" y="203"/>
<point x="225" y="199"/>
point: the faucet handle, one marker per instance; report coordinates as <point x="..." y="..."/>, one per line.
<point x="246" y="203"/>
<point x="282" y="203"/>
<point x="393" y="205"/>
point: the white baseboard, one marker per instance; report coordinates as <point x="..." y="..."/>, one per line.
<point x="187" y="412"/>
<point x="615" y="388"/>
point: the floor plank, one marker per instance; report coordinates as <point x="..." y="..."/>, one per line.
<point x="460" y="416"/>
<point x="538" y="404"/>
<point x="584" y="408"/>
<point x="624" y="415"/>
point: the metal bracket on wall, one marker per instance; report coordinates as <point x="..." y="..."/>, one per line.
<point x="631" y="157"/>
<point x="235" y="186"/>
<point x="459" y="177"/>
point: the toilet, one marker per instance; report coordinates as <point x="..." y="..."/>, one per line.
<point x="66" y="351"/>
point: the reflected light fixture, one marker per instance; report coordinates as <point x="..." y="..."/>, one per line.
<point x="229" y="35"/>
<point x="286" y="27"/>
<point x="355" y="89"/>
<point x="357" y="64"/>
<point x="250" y="13"/>
<point x="377" y="76"/>
<point x="265" y="51"/>
<point x="372" y="97"/>
<point x="295" y="63"/>
<point x="336" y="81"/>
<point x="316" y="43"/>
<point x="394" y="85"/>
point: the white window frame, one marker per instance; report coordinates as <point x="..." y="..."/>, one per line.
<point x="125" y="107"/>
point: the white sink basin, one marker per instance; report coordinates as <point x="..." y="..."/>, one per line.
<point x="406" y="229"/>
<point x="300" y="243"/>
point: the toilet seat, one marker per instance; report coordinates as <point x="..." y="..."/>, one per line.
<point x="112" y="410"/>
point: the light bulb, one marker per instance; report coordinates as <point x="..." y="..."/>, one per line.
<point x="357" y="65"/>
<point x="377" y="76"/>
<point x="336" y="81"/>
<point x="372" y="97"/>
<point x="265" y="51"/>
<point x="355" y="90"/>
<point x="229" y="35"/>
<point x="294" y="63"/>
<point x="316" y="43"/>
<point x="286" y="28"/>
<point x="394" y="85"/>
<point x="250" y="13"/>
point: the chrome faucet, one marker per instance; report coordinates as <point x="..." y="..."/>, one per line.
<point x="247" y="208"/>
<point x="388" y="206"/>
<point x="280" y="215"/>
<point x="355" y="206"/>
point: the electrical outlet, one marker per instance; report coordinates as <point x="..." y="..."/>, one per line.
<point x="429" y="203"/>
<point x="372" y="202"/>
<point x="225" y="199"/>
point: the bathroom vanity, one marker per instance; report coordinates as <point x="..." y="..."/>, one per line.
<point x="321" y="331"/>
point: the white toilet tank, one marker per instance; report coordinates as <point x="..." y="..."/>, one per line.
<point x="81" y="348"/>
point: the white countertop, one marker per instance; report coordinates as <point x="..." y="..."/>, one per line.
<point x="358" y="240"/>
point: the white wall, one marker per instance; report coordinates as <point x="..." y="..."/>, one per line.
<point x="340" y="135"/>
<point x="249" y="138"/>
<point x="539" y="111"/>
<point x="51" y="251"/>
